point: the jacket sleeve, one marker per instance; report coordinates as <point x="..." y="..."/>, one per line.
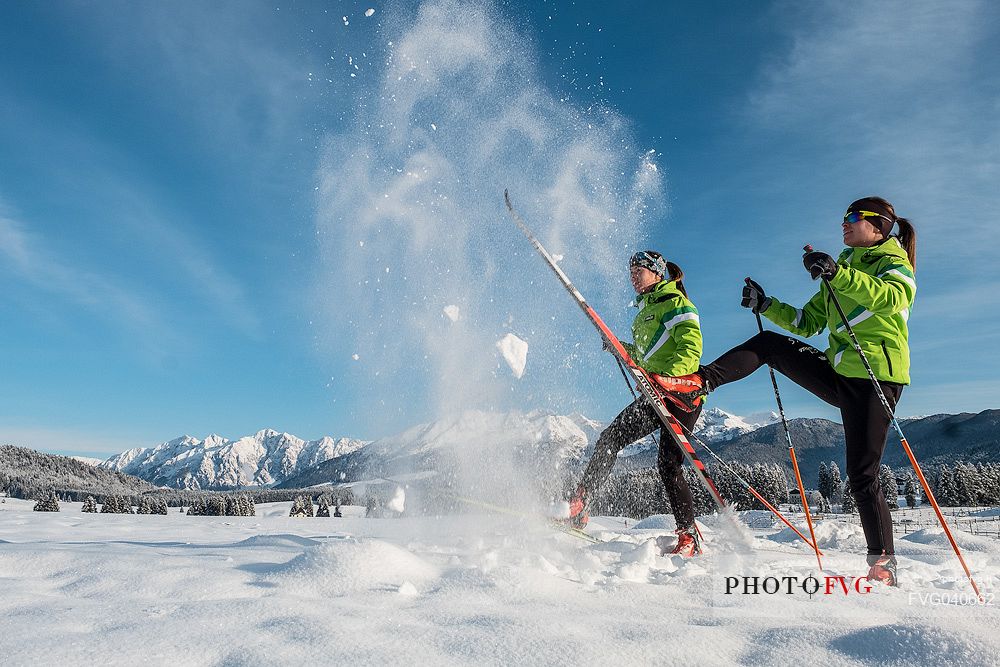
<point x="806" y="321"/>
<point x="888" y="292"/>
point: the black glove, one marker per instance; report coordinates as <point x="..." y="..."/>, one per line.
<point x="820" y="264"/>
<point x="754" y="297"/>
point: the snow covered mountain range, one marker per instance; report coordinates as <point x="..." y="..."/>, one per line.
<point x="714" y="425"/>
<point x="269" y="458"/>
<point x="263" y="459"/>
<point x="483" y="445"/>
<point x="513" y="443"/>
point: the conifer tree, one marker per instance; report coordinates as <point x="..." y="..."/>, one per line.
<point x="215" y="506"/>
<point x="249" y="506"/>
<point x="47" y="503"/>
<point x="836" y="483"/>
<point x="910" y="491"/>
<point x="89" y="505"/>
<point x="324" y="507"/>
<point x="823" y="482"/>
<point x="966" y="483"/>
<point x="301" y="507"/>
<point x="889" y="489"/>
<point x="197" y="507"/>
<point x="849" y="506"/>
<point x="947" y="493"/>
<point x="782" y="485"/>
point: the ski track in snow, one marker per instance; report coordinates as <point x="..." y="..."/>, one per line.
<point x="129" y="589"/>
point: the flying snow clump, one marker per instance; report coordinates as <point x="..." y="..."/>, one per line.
<point x="515" y="353"/>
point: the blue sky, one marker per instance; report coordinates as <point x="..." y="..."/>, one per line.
<point x="204" y="216"/>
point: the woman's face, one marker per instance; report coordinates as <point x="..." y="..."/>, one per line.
<point x="861" y="234"/>
<point x="642" y="278"/>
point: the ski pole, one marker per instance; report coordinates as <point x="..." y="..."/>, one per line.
<point x="625" y="375"/>
<point x="791" y="449"/>
<point x="902" y="438"/>
<point x="753" y="491"/>
<point x="745" y="484"/>
<point x="641" y="377"/>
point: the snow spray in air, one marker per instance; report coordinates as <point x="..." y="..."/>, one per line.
<point x="422" y="274"/>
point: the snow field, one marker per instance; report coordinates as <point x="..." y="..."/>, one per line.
<point x="461" y="590"/>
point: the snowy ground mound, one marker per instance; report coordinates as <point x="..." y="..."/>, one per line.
<point x="477" y="589"/>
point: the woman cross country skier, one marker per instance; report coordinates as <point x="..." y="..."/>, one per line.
<point x="873" y="278"/>
<point x="667" y="344"/>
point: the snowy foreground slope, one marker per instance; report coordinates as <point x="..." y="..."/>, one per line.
<point x="127" y="589"/>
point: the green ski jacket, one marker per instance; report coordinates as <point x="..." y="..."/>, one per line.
<point x="666" y="331"/>
<point x="876" y="287"/>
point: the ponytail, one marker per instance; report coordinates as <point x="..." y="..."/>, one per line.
<point x="908" y="239"/>
<point x="676" y="274"/>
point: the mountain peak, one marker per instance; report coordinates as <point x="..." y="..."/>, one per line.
<point x="266" y="458"/>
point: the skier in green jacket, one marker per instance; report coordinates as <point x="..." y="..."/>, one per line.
<point x="667" y="344"/>
<point x="874" y="281"/>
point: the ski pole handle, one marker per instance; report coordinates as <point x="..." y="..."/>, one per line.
<point x="760" y="325"/>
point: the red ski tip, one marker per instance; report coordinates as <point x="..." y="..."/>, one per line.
<point x="747" y="280"/>
<point x="808" y="248"/>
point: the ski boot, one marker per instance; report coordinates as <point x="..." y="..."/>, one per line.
<point x="688" y="544"/>
<point x="685" y="391"/>
<point x="578" y="514"/>
<point x="883" y="570"/>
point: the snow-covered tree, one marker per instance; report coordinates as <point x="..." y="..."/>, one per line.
<point x="324" y="507"/>
<point x="989" y="485"/>
<point x="946" y="491"/>
<point x="301" y="507"/>
<point x="887" y="481"/>
<point x="849" y="506"/>
<point x="910" y="491"/>
<point x="145" y="505"/>
<point x="967" y="484"/>
<point x="47" y="503"/>
<point x="780" y="485"/>
<point x="836" y="483"/>
<point x="116" y="505"/>
<point x="239" y="505"/>
<point x="89" y="505"/>
<point x="823" y="482"/>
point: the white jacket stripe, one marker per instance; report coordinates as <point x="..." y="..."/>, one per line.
<point x="665" y="336"/>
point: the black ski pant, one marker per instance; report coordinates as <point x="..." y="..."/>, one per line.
<point x="865" y="421"/>
<point x="634" y="423"/>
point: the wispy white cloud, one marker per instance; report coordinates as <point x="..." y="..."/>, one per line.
<point x="67" y="441"/>
<point x="205" y="273"/>
<point x="130" y="299"/>
<point x="242" y="90"/>
<point x="899" y="98"/>
<point x="28" y="258"/>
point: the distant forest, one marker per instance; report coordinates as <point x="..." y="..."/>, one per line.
<point x="31" y="475"/>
